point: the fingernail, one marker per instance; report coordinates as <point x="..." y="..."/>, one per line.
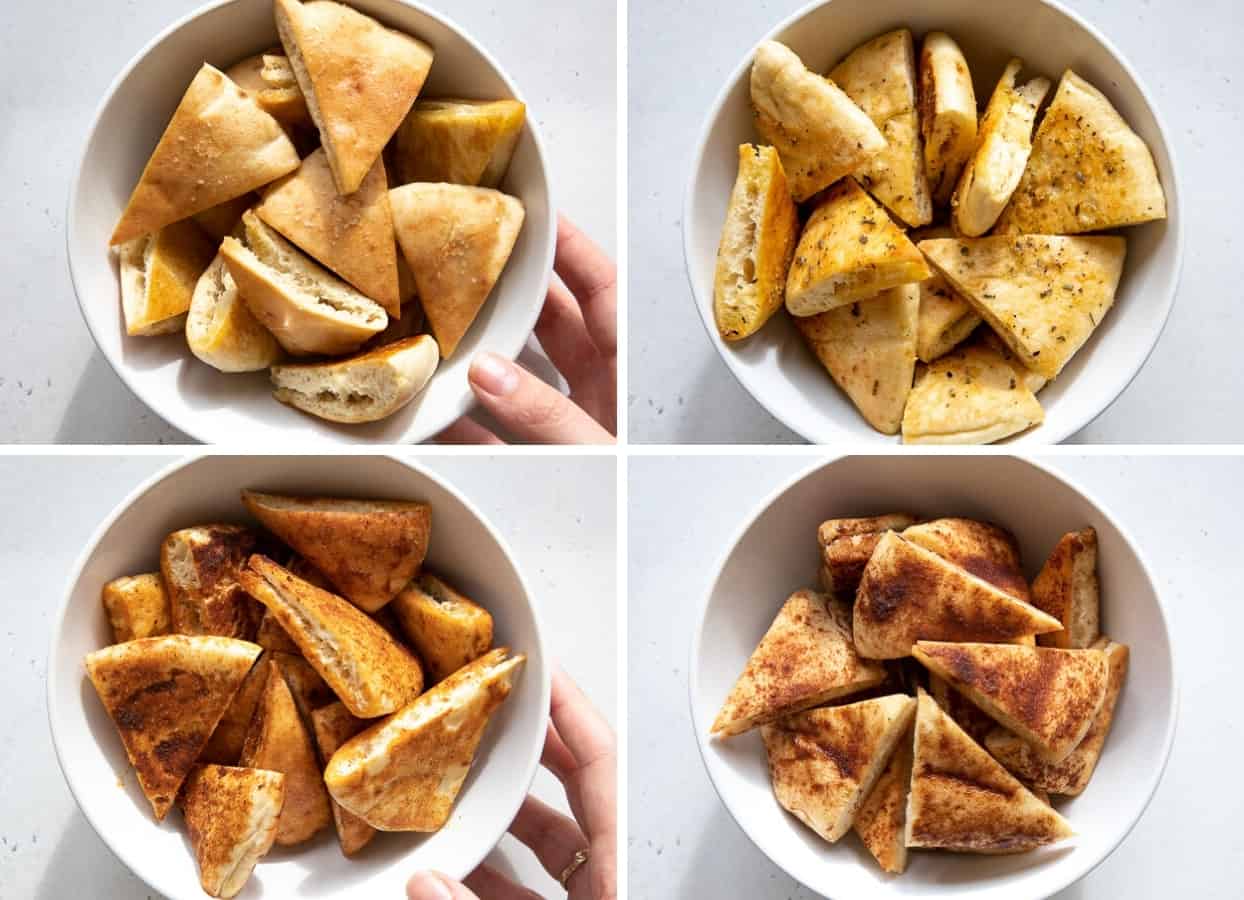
<point x="494" y="375"/>
<point x="426" y="886"/>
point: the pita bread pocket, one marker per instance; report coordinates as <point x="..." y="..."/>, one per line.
<point x="219" y="145"/>
<point x="371" y="672"/>
<point x="158" y="275"/>
<point x="1003" y="144"/>
<point x="231" y="814"/>
<point x="947" y="113"/>
<point x="458" y="141"/>
<point x="351" y="235"/>
<point x="165" y="695"/>
<point x="220" y="328"/>
<point x="1071" y="776"/>
<point x="1044" y="295"/>
<point x="806" y="658"/>
<point x="201" y="566"/>
<point x="1088" y="170"/>
<point x="850" y="250"/>
<point x="333" y="726"/>
<point x="869" y="349"/>
<point x="278" y="741"/>
<point x="962" y="799"/>
<point x="1048" y="697"/>
<point x="137" y="607"/>
<point x="880" y="76"/>
<point x="359" y="79"/>
<point x="308" y="309"/>
<point x="457" y="241"/>
<point x="820" y="134"/>
<point x="908" y="594"/>
<point x="757" y="243"/>
<point x="225" y="745"/>
<point x="369" y="549"/>
<point x="1067" y="589"/>
<point x="881" y="821"/>
<point x="403" y="774"/>
<point x="445" y="627"/>
<point x="988" y="551"/>
<point x="824" y="762"/>
<point x="847" y="545"/>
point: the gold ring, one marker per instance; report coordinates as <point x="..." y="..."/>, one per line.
<point x="580" y="857"/>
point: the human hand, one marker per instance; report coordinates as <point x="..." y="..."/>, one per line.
<point x="578" y="329"/>
<point x="580" y="750"/>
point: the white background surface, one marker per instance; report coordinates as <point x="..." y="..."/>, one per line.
<point x="54" y="385"/>
<point x="1187" y="54"/>
<point x="52" y="505"/>
<point x="1183" y="514"/>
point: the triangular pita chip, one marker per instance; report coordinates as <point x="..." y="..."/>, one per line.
<point x="159" y="272"/>
<point x="869" y="348"/>
<point x="137" y="607"/>
<point x="881" y="820"/>
<point x="850" y="250"/>
<point x="908" y="593"/>
<point x="1067" y="589"/>
<point x="1088" y="170"/>
<point x="231" y="814"/>
<point x="1044" y="295"/>
<point x="445" y="627"/>
<point x="824" y="762"/>
<point x="1048" y="697"/>
<point x="200" y="566"/>
<point x="352" y="235"/>
<point x="308" y="689"/>
<point x="403" y="774"/>
<point x="962" y="799"/>
<point x="988" y="551"/>
<point x="847" y="545"/>
<point x="458" y="141"/>
<point x="165" y="695"/>
<point x="947" y="113"/>
<point x="457" y="241"/>
<point x="371" y="673"/>
<point x="369" y="549"/>
<point x="1071" y="776"/>
<point x="225" y="746"/>
<point x="819" y="133"/>
<point x="278" y="741"/>
<point x="218" y="145"/>
<point x="805" y="659"/>
<point x="880" y="77"/>
<point x="359" y="80"/>
<point x="946" y="319"/>
<point x="333" y="726"/>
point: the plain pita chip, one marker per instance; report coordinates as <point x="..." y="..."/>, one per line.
<point x="1088" y="170"/>
<point x="988" y="551"/>
<point x="231" y="815"/>
<point x="946" y="319"/>
<point x="880" y="76"/>
<point x="1044" y="295"/>
<point x="219" y="145"/>
<point x="165" y="695"/>
<point x="805" y="659"/>
<point x="908" y="594"/>
<point x="1048" y="697"/>
<point x="359" y="79"/>
<point x="947" y="113"/>
<point x="819" y="133"/>
<point x="352" y="235"/>
<point x="824" y="762"/>
<point x="456" y="240"/>
<point x="1067" y="589"/>
<point x="458" y="141"/>
<point x="881" y="821"/>
<point x="869" y="349"/>
<point x="963" y="799"/>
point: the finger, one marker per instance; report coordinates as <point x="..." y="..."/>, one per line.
<point x="492" y="885"/>
<point x="552" y="837"/>
<point x="435" y="886"/>
<point x="467" y="431"/>
<point x="528" y="408"/>
<point x="593" y="279"/>
<point x="557" y="757"/>
<point x="584" y="731"/>
<point x="565" y="339"/>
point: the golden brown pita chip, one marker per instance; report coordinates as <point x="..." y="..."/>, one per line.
<point x="231" y="814"/>
<point x="333" y="726"/>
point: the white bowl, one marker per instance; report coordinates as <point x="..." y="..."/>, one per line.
<point x="464" y="547"/>
<point x="776" y="553"/>
<point x="215" y="407"/>
<point x="775" y="366"/>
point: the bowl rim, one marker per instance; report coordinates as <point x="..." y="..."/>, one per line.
<point x="526" y="775"/>
<point x="189" y="423"/>
<point x="1074" y="873"/>
<point x="1034" y="436"/>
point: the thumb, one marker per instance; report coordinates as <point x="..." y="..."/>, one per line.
<point x="435" y="886"/>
